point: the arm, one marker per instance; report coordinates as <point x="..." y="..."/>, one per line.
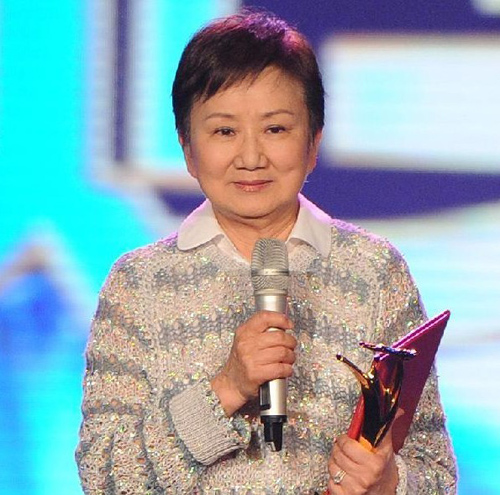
<point x="427" y="452"/>
<point x="426" y="462"/>
<point x="138" y="436"/>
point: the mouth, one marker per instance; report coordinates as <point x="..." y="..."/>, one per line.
<point x="252" y="185"/>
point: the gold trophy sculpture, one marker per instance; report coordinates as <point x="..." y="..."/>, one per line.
<point x="380" y="388"/>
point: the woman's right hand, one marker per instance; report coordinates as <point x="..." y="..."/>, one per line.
<point x="257" y="356"/>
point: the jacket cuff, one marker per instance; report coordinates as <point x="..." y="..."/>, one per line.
<point x="202" y="425"/>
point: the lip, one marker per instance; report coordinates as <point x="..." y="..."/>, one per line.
<point x="252" y="185"/>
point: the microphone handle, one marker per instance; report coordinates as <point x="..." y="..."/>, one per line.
<point x="272" y="394"/>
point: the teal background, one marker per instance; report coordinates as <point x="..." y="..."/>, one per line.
<point x="61" y="227"/>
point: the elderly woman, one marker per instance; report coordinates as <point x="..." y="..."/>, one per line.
<point x="177" y="352"/>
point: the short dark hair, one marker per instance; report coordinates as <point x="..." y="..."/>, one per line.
<point x="236" y="47"/>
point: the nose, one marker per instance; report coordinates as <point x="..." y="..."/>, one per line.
<point x="250" y="154"/>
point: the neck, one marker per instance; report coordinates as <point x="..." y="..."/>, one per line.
<point x="244" y="233"/>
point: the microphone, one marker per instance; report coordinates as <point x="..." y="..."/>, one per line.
<point x="270" y="276"/>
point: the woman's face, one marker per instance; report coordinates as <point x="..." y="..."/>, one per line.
<point x="250" y="148"/>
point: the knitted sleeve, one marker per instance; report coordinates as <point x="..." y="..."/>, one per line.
<point x="429" y="463"/>
<point x="135" y="438"/>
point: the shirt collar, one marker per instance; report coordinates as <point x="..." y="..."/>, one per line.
<point x="313" y="226"/>
<point x="199" y="227"/>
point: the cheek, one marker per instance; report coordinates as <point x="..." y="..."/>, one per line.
<point x="295" y="159"/>
<point x="199" y="160"/>
<point x="210" y="166"/>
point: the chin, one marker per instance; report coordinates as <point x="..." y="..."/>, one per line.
<point x="249" y="207"/>
<point x="251" y="215"/>
<point x="247" y="213"/>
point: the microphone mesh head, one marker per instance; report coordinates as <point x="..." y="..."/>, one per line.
<point x="270" y="265"/>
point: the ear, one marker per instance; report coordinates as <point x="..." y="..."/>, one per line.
<point x="313" y="151"/>
<point x="188" y="157"/>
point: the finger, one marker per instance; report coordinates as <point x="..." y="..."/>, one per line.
<point x="366" y="466"/>
<point x="338" y="460"/>
<point x="335" y="468"/>
<point x="350" y="453"/>
<point x="337" y="488"/>
<point x="263" y="320"/>
<point x="278" y="339"/>
<point x="275" y="346"/>
<point x="274" y="355"/>
<point x="273" y="371"/>
<point x="334" y="489"/>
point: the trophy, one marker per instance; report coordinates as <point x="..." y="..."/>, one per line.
<point x="380" y="389"/>
<point x="383" y="389"/>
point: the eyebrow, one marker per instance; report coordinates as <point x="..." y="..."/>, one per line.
<point x="216" y="115"/>
<point x="266" y="115"/>
<point x="279" y="111"/>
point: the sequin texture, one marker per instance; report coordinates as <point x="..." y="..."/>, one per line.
<point x="164" y="327"/>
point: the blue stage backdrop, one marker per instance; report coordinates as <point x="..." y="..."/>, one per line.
<point x="90" y="167"/>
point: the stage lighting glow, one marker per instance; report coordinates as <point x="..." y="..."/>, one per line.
<point x="414" y="102"/>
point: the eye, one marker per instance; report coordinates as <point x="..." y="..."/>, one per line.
<point x="276" y="129"/>
<point x="224" y="131"/>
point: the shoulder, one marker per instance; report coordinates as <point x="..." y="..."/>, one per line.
<point x="348" y="234"/>
<point x="146" y="255"/>
<point x="136" y="265"/>
<point x="358" y="244"/>
<point x="163" y="264"/>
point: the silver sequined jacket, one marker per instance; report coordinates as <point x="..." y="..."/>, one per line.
<point x="164" y="326"/>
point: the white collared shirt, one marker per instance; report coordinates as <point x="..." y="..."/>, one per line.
<point x="313" y="226"/>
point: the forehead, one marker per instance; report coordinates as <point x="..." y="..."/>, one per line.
<point x="272" y="86"/>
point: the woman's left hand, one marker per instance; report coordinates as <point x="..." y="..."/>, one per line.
<point x="367" y="472"/>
